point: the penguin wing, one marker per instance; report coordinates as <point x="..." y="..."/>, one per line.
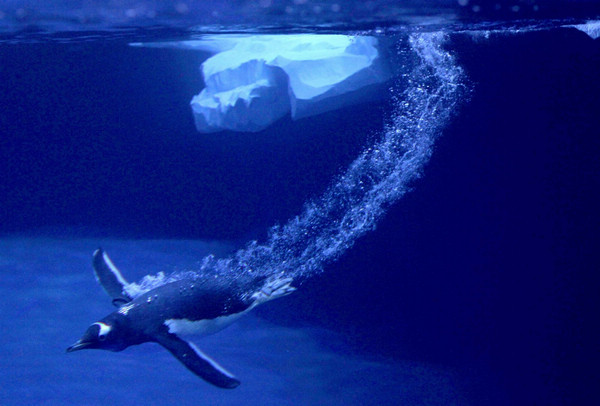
<point x="110" y="278"/>
<point x="196" y="361"/>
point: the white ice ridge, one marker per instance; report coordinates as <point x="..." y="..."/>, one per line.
<point x="591" y="28"/>
<point x="253" y="80"/>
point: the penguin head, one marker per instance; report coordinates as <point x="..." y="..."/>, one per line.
<point x="102" y="335"/>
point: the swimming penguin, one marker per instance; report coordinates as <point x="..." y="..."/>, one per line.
<point x="184" y="307"/>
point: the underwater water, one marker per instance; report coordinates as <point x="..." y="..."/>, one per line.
<point x="441" y="236"/>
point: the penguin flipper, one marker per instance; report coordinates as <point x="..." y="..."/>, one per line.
<point x="110" y="278"/>
<point x="197" y="362"/>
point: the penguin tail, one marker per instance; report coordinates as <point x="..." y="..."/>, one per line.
<point x="274" y="287"/>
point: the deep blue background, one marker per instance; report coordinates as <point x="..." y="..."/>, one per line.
<point x="490" y="263"/>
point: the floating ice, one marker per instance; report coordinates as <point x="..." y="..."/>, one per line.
<point x="254" y="80"/>
<point x="591" y="28"/>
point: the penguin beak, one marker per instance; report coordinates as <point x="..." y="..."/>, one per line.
<point x="79" y="345"/>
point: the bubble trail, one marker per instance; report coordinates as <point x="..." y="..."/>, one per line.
<point x="381" y="175"/>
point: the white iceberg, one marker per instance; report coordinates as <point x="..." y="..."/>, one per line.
<point x="591" y="28"/>
<point x="254" y="80"/>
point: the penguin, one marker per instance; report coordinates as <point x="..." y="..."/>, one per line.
<point x="168" y="313"/>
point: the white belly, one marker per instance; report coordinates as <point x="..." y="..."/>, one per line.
<point x="187" y="328"/>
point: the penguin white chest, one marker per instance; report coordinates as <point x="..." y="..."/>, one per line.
<point x="185" y="327"/>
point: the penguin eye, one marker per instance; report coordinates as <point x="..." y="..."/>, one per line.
<point x="101" y="337"/>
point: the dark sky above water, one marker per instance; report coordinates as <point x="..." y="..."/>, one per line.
<point x="489" y="263"/>
<point x="64" y="15"/>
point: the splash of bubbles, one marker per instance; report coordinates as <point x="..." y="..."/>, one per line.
<point x="381" y="175"/>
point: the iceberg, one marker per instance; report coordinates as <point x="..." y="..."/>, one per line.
<point x="591" y="28"/>
<point x="253" y="80"/>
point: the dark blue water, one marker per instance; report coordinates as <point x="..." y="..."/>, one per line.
<point x="446" y="255"/>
